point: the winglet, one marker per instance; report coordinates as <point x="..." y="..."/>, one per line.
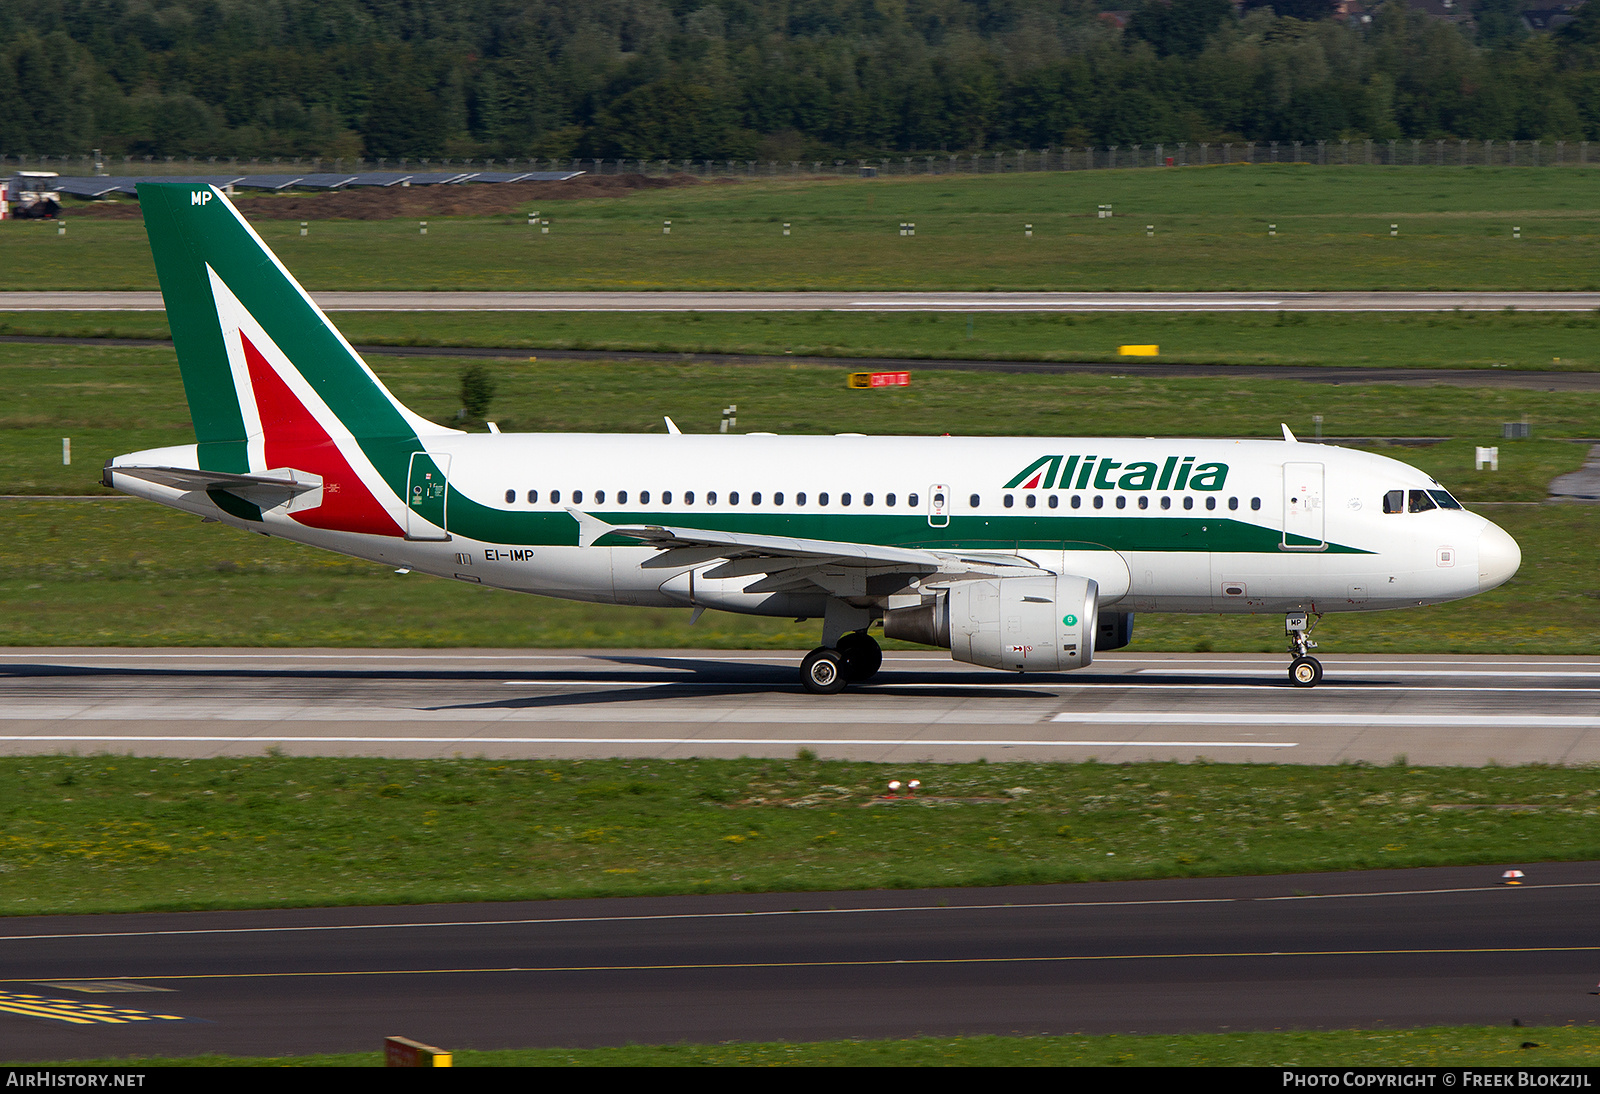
<point x="672" y="426"/>
<point x="1290" y="437"/>
<point x="590" y="528"/>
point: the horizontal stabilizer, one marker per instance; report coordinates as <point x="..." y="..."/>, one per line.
<point x="260" y="489"/>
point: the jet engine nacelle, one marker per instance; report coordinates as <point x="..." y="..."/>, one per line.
<point x="1024" y="624"/>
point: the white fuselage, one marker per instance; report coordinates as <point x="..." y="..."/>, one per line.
<point x="1283" y="526"/>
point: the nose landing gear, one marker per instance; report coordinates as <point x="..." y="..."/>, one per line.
<point x="1305" y="671"/>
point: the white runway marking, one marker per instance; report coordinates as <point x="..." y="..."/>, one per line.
<point x="882" y="742"/>
<point x="1037" y="305"/>
<point x="1136" y="685"/>
<point x="1304" y="718"/>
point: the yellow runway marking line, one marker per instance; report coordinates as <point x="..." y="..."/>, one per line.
<point x="77" y="1012"/>
<point x="874" y="963"/>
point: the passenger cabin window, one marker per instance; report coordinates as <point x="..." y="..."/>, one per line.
<point x="599" y="497"/>
<point x="1055" y="502"/>
<point x="688" y="497"/>
<point x="1255" y="503"/>
<point x="555" y="497"/>
<point x="622" y="497"/>
<point x="1394" y="501"/>
<point x="1211" y="503"/>
<point x="866" y="499"/>
<point x="1033" y="500"/>
<point x="911" y="500"/>
<point x="777" y="499"/>
<point x="822" y="499"/>
<point x="973" y="501"/>
<point x="533" y="497"/>
<point x="733" y="497"/>
<point x="666" y="497"/>
<point x="511" y="496"/>
<point x="1009" y="501"/>
<point x="1166" y="502"/>
<point x="888" y="499"/>
<point x="1188" y="503"/>
<point x="644" y="497"/>
<point x="711" y="497"/>
<point x="755" y="498"/>
<point x="577" y="497"/>
<point x="1144" y="502"/>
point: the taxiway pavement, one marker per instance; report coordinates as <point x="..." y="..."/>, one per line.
<point x="1357" y="950"/>
<point x="922" y="706"/>
<point x="861" y="301"/>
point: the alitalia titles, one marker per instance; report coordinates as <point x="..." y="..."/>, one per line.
<point x="1105" y="473"/>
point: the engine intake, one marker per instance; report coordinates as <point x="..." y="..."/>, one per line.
<point x="1024" y="624"/>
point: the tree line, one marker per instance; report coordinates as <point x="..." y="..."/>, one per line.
<point x="781" y="80"/>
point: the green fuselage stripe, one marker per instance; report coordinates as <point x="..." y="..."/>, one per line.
<point x="964" y="533"/>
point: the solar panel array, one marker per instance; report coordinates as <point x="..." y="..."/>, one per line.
<point x="101" y="187"/>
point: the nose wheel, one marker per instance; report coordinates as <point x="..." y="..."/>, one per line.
<point x="1305" y="671"/>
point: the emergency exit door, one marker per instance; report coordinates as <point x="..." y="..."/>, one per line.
<point x="1303" y="512"/>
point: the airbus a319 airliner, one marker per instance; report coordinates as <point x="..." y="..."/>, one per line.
<point x="1024" y="554"/>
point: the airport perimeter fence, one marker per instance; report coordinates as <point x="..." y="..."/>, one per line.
<point x="1323" y="153"/>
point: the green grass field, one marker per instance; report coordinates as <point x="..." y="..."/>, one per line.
<point x="1210" y="232"/>
<point x="109" y="833"/>
<point x="120" y="571"/>
<point x="1475" y="1046"/>
<point x="1558" y="341"/>
<point x="112" y="400"/>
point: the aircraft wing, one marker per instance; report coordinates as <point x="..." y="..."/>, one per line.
<point x="788" y="562"/>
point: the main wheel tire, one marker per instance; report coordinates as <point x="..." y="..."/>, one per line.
<point x="1305" y="672"/>
<point x="823" y="672"/>
<point x="862" y="657"/>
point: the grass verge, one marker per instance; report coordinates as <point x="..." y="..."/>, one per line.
<point x="1207" y="229"/>
<point x="109" y="833"/>
<point x="1440" y="1046"/>
<point x="1562" y="341"/>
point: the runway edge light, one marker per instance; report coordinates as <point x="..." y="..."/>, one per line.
<point x="404" y="1052"/>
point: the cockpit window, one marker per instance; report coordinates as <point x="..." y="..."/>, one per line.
<point x="1444" y="500"/>
<point x="1421" y="502"/>
<point x="1394" y="501"/>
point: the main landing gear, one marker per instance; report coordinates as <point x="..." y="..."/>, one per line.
<point x="855" y="660"/>
<point x="1305" y="671"/>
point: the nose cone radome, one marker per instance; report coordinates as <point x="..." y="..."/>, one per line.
<point x="1498" y="557"/>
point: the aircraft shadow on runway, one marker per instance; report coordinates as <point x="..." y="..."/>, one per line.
<point x="657" y="678"/>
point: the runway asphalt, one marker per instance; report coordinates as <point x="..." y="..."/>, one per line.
<point x="1436" y="710"/>
<point x="859" y="301"/>
<point x="1389" y="949"/>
